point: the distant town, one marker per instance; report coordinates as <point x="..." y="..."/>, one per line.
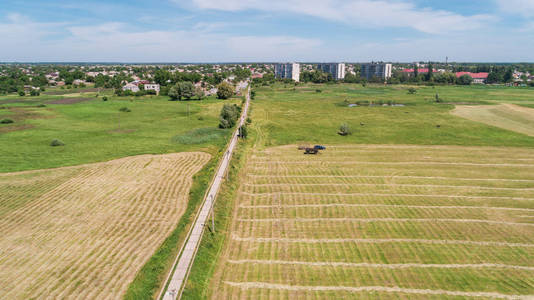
<point x="137" y="79"/>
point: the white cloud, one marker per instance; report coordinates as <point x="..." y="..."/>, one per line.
<point x="369" y="13"/>
<point x="519" y="7"/>
<point x="114" y="41"/>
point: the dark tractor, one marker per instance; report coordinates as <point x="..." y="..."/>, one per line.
<point x="311" y="151"/>
<point x="319" y="147"/>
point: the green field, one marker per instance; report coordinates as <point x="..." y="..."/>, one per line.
<point x="400" y="209"/>
<point x="288" y="116"/>
<point x="94" y="130"/>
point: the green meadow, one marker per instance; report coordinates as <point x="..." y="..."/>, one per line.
<point x="94" y="130"/>
<point x="313" y="114"/>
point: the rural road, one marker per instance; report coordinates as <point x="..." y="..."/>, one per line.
<point x="188" y="252"/>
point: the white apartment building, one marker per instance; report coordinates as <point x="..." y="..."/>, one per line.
<point x="378" y="70"/>
<point x="336" y="69"/>
<point x="287" y="71"/>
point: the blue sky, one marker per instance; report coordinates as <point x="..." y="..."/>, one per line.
<point x="267" y="30"/>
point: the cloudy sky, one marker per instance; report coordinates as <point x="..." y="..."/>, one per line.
<point x="266" y="30"/>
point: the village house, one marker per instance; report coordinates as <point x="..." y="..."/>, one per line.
<point x="131" y="87"/>
<point x="152" y="87"/>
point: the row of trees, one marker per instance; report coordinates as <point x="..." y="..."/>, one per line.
<point x="186" y="90"/>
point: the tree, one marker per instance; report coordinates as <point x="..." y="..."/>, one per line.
<point x="174" y="93"/>
<point x="199" y="92"/>
<point x="430" y="73"/>
<point x="412" y="91"/>
<point x="186" y="89"/>
<point x="465" y="80"/>
<point x="35" y="92"/>
<point x="229" y="115"/>
<point x="225" y="90"/>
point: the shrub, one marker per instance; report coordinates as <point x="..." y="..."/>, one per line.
<point x="6" y="121"/>
<point x="200" y="118"/>
<point x="56" y="143"/>
<point x="344" y="130"/>
<point x="412" y="91"/>
<point x="318" y="91"/>
<point x="35" y="92"/>
<point x="243" y="133"/>
<point x="249" y="120"/>
<point x="22" y="93"/>
<point x="104" y="98"/>
<point x="438" y="99"/>
<point x="253" y="94"/>
<point x="41" y="105"/>
<point x="225" y="90"/>
<point x="229" y="115"/>
<point x="124" y="109"/>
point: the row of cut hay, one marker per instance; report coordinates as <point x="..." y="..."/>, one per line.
<point x="99" y="228"/>
<point x="314" y="226"/>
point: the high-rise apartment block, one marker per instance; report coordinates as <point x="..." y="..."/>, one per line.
<point x="287" y="71"/>
<point x="336" y="69"/>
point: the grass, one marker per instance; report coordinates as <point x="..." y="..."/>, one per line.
<point x="291" y="116"/>
<point x="507" y="116"/>
<point x="398" y="217"/>
<point x="95" y="131"/>
<point x="393" y="207"/>
<point x="198" y="283"/>
<point x="89" y="229"/>
<point x="201" y="136"/>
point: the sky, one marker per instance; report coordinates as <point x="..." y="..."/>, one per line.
<point x="266" y="30"/>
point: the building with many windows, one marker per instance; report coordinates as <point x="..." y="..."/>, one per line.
<point x="376" y="70"/>
<point x="336" y="69"/>
<point x="287" y="71"/>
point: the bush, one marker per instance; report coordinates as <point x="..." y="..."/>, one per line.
<point x="344" y="130"/>
<point x="225" y="90"/>
<point x="35" y="92"/>
<point x="6" y="121"/>
<point x="41" y="105"/>
<point x="243" y="132"/>
<point x="438" y="99"/>
<point x="253" y="94"/>
<point x="318" y="91"/>
<point x="124" y="109"/>
<point x="22" y="93"/>
<point x="249" y="120"/>
<point x="229" y="115"/>
<point x="412" y="91"/>
<point x="104" y="98"/>
<point x="56" y="143"/>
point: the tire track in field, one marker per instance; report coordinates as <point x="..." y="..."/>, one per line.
<point x="275" y="286"/>
<point x="470" y="164"/>
<point x="375" y="265"/>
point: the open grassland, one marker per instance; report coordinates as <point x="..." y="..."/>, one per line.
<point x="287" y="115"/>
<point x="94" y="130"/>
<point x="382" y="221"/>
<point x="85" y="231"/>
<point x="507" y="116"/>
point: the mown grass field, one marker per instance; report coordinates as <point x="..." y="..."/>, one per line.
<point x="381" y="221"/>
<point x="94" y="130"/>
<point x="86" y="231"/>
<point x="508" y="116"/>
<point x="400" y="209"/>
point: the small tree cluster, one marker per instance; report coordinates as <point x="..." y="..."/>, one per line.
<point x="185" y="90"/>
<point x="225" y="90"/>
<point x="229" y="115"/>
